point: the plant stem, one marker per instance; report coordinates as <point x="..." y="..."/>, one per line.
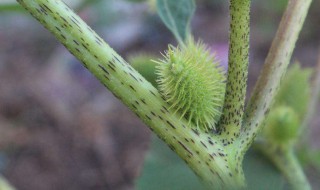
<point x="273" y="71"/>
<point x="204" y="154"/>
<point x="236" y="87"/>
<point x="286" y="161"/>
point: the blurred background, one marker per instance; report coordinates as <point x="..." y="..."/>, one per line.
<point x="61" y="129"/>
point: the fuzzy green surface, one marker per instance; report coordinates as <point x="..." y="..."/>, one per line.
<point x="192" y="83"/>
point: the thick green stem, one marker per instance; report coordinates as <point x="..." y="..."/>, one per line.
<point x="230" y="122"/>
<point x="201" y="151"/>
<point x="273" y="71"/>
<point x="286" y="161"/>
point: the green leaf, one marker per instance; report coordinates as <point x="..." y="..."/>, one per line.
<point x="176" y="15"/>
<point x="145" y="66"/>
<point x="315" y="160"/>
<point x="9" y="5"/>
<point x="260" y="172"/>
<point x="282" y="125"/>
<point x="295" y="89"/>
<point x="164" y="170"/>
<point x="136" y="1"/>
<point x="308" y="156"/>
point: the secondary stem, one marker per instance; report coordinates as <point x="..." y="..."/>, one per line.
<point x="204" y="154"/>
<point x="237" y="69"/>
<point x="273" y="71"/>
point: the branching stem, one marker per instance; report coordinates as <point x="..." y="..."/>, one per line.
<point x="273" y="71"/>
<point x="204" y="154"/>
<point x="216" y="164"/>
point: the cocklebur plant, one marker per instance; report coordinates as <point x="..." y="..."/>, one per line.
<point x="214" y="155"/>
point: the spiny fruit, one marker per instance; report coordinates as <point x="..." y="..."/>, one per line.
<point x="193" y="83"/>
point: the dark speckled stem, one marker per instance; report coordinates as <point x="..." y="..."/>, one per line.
<point x="230" y="123"/>
<point x="203" y="153"/>
<point x="273" y="71"/>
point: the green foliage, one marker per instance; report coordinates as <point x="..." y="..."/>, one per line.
<point x="277" y="6"/>
<point x="309" y="157"/>
<point x="163" y="169"/>
<point x="136" y="1"/>
<point x="192" y="82"/>
<point x="4" y="184"/>
<point x="284" y="120"/>
<point x="295" y="89"/>
<point x="10" y="5"/>
<point x="177" y="15"/>
<point x="145" y="66"/>
<point x="315" y="159"/>
<point x="261" y="173"/>
<point x="283" y="125"/>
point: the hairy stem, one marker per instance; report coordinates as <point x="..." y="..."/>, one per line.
<point x="237" y="69"/>
<point x="273" y="71"/>
<point x="201" y="151"/>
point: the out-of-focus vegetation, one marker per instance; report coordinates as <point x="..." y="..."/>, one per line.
<point x="60" y="129"/>
<point x="4" y="185"/>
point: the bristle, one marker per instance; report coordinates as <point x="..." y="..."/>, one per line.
<point x="193" y="84"/>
